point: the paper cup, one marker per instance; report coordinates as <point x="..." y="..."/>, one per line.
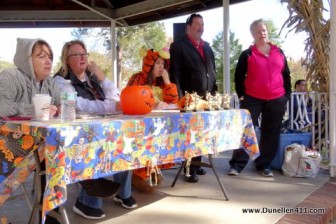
<point x="42" y="104"/>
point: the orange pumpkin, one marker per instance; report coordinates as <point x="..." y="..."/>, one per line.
<point x="137" y="100"/>
<point x="27" y="142"/>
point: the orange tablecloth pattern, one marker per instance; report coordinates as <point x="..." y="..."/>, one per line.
<point x="92" y="148"/>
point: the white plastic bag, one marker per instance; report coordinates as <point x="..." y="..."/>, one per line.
<point x="301" y="162"/>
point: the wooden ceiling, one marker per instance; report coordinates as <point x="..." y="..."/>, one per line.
<point x="96" y="13"/>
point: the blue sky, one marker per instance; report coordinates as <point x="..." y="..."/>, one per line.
<point x="241" y="15"/>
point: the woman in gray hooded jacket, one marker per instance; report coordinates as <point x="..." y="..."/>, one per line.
<point x="33" y="61"/>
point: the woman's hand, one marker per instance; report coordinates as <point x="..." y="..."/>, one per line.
<point x="165" y="77"/>
<point x="94" y="68"/>
<point x="52" y="110"/>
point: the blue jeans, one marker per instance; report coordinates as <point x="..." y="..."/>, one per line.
<point x="125" y="181"/>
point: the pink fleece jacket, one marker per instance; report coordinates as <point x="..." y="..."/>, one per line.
<point x="264" y="78"/>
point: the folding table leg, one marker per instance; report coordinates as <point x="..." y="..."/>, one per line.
<point x="178" y="173"/>
<point x="217" y="177"/>
<point x="204" y="165"/>
<point x="37" y="186"/>
<point x="26" y="196"/>
<point x="38" y="194"/>
<point x="64" y="215"/>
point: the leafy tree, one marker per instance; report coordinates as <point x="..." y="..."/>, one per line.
<point x="55" y="68"/>
<point x="298" y="71"/>
<point x="5" y="64"/>
<point x="273" y="34"/>
<point x="129" y="40"/>
<point x="104" y="62"/>
<point x="235" y="50"/>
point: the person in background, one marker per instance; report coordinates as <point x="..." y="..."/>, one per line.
<point x="262" y="80"/>
<point x="300" y="85"/>
<point x="33" y="60"/>
<point x="154" y="74"/>
<point x="302" y="106"/>
<point x="192" y="69"/>
<point x="96" y="94"/>
<point x="303" y="121"/>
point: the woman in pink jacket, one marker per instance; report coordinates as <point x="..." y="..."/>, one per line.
<point x="262" y="80"/>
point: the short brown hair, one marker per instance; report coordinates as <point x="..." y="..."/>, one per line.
<point x="39" y="44"/>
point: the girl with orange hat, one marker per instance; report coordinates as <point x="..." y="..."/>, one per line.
<point x="154" y="74"/>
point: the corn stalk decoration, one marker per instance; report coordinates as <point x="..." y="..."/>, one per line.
<point x="307" y="16"/>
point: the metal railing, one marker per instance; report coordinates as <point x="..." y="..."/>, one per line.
<point x="306" y="112"/>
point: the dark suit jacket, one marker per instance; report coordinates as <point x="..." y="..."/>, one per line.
<point x="189" y="71"/>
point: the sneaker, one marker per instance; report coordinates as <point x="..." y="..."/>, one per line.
<point x="200" y="171"/>
<point x="87" y="212"/>
<point x="233" y="172"/>
<point x="266" y="173"/>
<point x="129" y="203"/>
<point x="191" y="179"/>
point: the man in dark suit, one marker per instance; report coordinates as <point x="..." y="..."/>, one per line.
<point x="192" y="69"/>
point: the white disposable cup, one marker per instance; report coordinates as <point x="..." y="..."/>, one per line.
<point x="42" y="106"/>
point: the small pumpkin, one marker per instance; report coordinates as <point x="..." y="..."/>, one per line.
<point x="27" y="142"/>
<point x="137" y="100"/>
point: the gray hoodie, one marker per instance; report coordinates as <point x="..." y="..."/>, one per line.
<point x="18" y="85"/>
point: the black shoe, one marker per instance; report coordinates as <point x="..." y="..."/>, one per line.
<point x="200" y="171"/>
<point x="87" y="212"/>
<point x="129" y="203"/>
<point x="192" y="178"/>
<point x="51" y="220"/>
<point x="103" y="188"/>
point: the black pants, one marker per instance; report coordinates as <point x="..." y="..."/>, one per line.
<point x="272" y="112"/>
<point x="194" y="168"/>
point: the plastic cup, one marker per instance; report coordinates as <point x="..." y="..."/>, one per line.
<point x="42" y="106"/>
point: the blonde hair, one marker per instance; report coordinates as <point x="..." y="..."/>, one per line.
<point x="65" y="54"/>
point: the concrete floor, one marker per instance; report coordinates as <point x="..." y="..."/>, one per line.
<point x="195" y="203"/>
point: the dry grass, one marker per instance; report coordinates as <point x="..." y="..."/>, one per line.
<point x="307" y="16"/>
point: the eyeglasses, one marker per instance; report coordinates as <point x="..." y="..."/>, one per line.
<point x="79" y="55"/>
<point x="191" y="17"/>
